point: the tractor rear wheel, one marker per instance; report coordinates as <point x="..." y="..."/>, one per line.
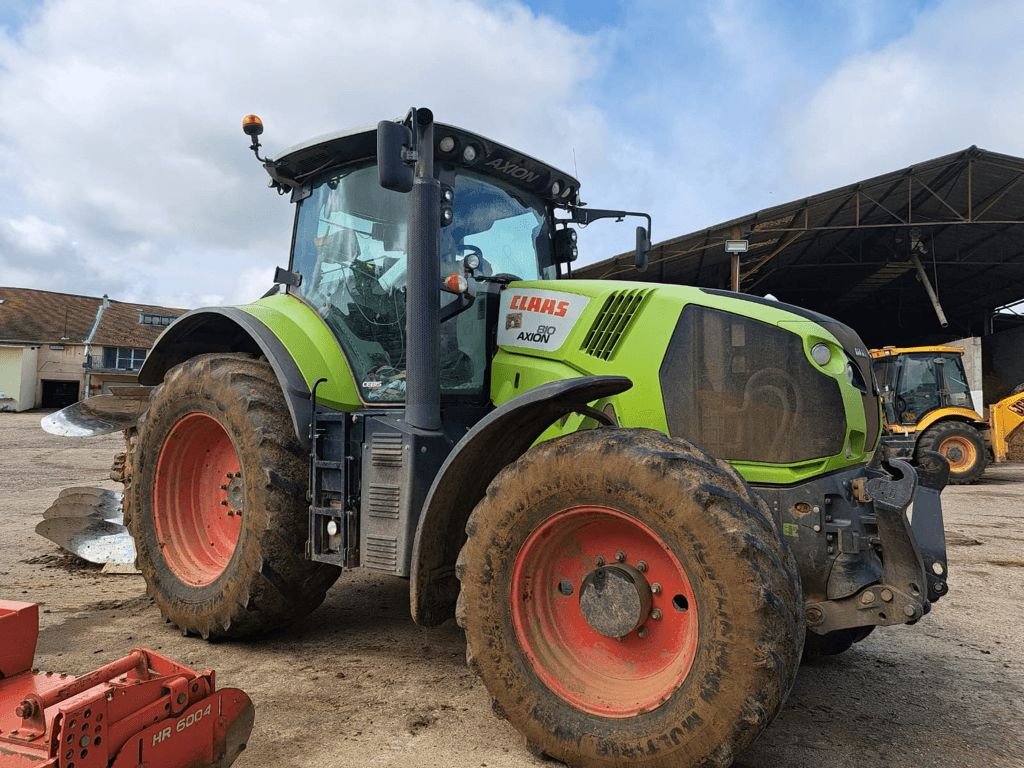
<point x="627" y="600"/>
<point x="216" y="501"/>
<point x="963" y="447"/>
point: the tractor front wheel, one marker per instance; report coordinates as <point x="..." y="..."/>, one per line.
<point x="627" y="600"/>
<point x="963" y="447"/>
<point x="216" y="501"/>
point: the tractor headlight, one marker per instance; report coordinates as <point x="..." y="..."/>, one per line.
<point x="821" y="354"/>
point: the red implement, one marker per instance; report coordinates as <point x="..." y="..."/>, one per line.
<point x="144" y="709"/>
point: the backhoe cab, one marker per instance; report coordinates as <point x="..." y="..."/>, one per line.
<point x="643" y="503"/>
<point x="929" y="407"/>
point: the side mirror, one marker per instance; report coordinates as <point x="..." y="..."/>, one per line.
<point x="393" y="141"/>
<point x="643" y="247"/>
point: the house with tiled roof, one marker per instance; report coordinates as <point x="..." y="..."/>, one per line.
<point x="56" y="348"/>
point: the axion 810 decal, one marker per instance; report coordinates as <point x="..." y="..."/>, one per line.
<point x="538" y="319"/>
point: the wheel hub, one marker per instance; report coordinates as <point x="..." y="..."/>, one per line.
<point x="615" y="599"/>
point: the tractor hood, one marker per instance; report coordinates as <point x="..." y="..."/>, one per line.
<point x="762" y="384"/>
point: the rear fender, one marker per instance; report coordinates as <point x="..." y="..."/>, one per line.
<point x="496" y="441"/>
<point x="227" y="329"/>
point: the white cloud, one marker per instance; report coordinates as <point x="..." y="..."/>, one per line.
<point x="951" y="81"/>
<point x="120" y="140"/>
<point x="33" y="235"/>
<point x="120" y="121"/>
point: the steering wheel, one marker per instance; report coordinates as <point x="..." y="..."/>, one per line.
<point x="901" y="406"/>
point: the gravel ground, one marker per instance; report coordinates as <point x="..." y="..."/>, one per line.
<point x="357" y="683"/>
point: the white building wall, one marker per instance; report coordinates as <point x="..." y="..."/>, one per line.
<point x="17" y="378"/>
<point x="973" y="368"/>
<point x="29" y="362"/>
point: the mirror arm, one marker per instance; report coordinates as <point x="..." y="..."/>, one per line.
<point x="466" y="300"/>
<point x="584" y="216"/>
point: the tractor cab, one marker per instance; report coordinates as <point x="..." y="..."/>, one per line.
<point x="917" y="381"/>
<point x="350" y="250"/>
<point x="928" y="407"/>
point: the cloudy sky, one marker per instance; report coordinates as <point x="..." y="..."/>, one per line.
<point x="125" y="171"/>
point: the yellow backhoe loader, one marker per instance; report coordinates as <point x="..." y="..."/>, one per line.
<point x="928" y="407"/>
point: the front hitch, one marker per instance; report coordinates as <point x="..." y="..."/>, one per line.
<point x="912" y="554"/>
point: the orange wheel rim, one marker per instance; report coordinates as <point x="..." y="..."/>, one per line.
<point x="197" y="499"/>
<point x="579" y="662"/>
<point x="959" y="452"/>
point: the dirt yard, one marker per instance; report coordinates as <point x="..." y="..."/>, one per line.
<point x="357" y="683"/>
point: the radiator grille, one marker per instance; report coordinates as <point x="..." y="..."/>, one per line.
<point x="612" y="321"/>
<point x="744" y="390"/>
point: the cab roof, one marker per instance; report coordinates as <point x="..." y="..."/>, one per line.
<point x="897" y="351"/>
<point x="323" y="153"/>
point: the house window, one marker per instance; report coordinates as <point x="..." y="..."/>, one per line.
<point x="149" y="318"/>
<point x="123" y="358"/>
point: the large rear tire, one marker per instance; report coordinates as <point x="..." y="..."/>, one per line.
<point x="216" y="501"/>
<point x="963" y="447"/>
<point x="611" y="531"/>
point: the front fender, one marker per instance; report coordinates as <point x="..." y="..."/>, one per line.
<point x="496" y="441"/>
<point x="228" y="329"/>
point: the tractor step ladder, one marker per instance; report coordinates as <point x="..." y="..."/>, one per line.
<point x="333" y="518"/>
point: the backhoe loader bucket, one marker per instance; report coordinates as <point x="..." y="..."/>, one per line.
<point x="143" y="709"/>
<point x="1007" y="420"/>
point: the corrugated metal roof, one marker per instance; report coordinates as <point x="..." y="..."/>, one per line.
<point x="846" y="252"/>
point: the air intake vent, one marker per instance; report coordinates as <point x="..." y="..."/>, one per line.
<point x="381" y="553"/>
<point x="612" y="321"/>
<point x="386" y="449"/>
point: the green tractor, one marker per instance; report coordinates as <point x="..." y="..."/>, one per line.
<point x="635" y="499"/>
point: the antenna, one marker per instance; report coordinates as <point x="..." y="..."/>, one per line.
<point x="575" y="168"/>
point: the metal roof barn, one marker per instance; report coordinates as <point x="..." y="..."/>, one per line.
<point x="853" y="252"/>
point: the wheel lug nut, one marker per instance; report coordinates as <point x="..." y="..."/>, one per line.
<point x="223" y="486"/>
<point x="599" y="560"/>
<point x="656" y="588"/>
<point x="641" y="566"/>
<point x="223" y="502"/>
<point x="620" y="556"/>
<point x="656" y="614"/>
<point x="642" y="632"/>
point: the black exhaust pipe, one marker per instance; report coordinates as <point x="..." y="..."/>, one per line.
<point x="422" y="321"/>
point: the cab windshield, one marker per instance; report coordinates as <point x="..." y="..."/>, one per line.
<point x="350" y="248"/>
